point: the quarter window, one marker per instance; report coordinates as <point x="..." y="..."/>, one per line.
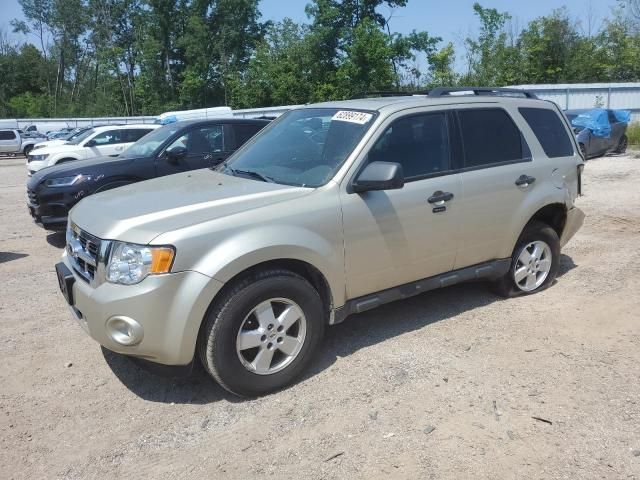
<point x="420" y="143"/>
<point x="549" y="130"/>
<point x="135" y="134"/>
<point x="490" y="137"/>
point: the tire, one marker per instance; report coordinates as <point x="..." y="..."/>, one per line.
<point x="535" y="235"/>
<point x="622" y="145"/>
<point x="27" y="150"/>
<point x="233" y="317"/>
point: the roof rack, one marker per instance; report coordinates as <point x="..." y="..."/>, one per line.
<point x="486" y="91"/>
<point x="390" y="93"/>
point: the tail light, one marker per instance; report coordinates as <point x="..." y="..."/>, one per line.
<point x="580" y="169"/>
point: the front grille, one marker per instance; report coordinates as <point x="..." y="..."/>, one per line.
<point x="33" y="197"/>
<point x="84" y="251"/>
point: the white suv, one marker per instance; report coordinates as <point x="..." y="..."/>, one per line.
<point x="109" y="140"/>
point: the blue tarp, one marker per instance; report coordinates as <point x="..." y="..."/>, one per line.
<point x="597" y="120"/>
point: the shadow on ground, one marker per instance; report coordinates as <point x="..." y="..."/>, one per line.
<point x="56" y="239"/>
<point x="10" y="256"/>
<point x="357" y="332"/>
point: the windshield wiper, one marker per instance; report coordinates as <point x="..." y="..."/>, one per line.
<point x="250" y="173"/>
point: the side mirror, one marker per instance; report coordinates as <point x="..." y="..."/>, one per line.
<point x="90" y="143"/>
<point x="379" y="176"/>
<point x="176" y="153"/>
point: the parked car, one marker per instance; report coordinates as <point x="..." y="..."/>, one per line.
<point x="595" y="143"/>
<point x="73" y="134"/>
<point x="174" y="148"/>
<point x="333" y="209"/>
<point x="16" y="142"/>
<point x="110" y="140"/>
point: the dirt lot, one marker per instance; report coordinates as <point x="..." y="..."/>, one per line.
<point x="445" y="385"/>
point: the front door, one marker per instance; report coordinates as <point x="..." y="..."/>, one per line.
<point x="9" y="141"/>
<point x="205" y="148"/>
<point x="399" y="236"/>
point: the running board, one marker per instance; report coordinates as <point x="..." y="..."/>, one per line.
<point x="484" y="271"/>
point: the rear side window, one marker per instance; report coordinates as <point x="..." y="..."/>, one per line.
<point x="7" y="135"/>
<point x="489" y="137"/>
<point x="244" y="132"/>
<point x="549" y="130"/>
<point x="135" y="134"/>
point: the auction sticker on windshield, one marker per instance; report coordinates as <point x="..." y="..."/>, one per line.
<point x="354" y="117"/>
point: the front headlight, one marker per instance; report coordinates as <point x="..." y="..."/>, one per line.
<point x="38" y="158"/>
<point x="67" y="181"/>
<point x="130" y="263"/>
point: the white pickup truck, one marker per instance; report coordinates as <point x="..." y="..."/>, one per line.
<point x="15" y="142"/>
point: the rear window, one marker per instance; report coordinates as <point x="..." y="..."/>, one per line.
<point x="549" y="130"/>
<point x="490" y="137"/>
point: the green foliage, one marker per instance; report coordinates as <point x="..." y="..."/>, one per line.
<point x="633" y="132"/>
<point x="130" y="57"/>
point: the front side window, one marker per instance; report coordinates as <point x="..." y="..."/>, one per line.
<point x="201" y="140"/>
<point x="420" y="143"/>
<point x="304" y="147"/>
<point x="110" y="137"/>
<point x="549" y="130"/>
<point x="489" y="137"/>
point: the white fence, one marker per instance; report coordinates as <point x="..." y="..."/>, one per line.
<point x="624" y="96"/>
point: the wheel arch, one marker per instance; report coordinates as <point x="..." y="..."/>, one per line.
<point x="303" y="268"/>
<point x="553" y="214"/>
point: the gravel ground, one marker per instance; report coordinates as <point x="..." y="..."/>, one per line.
<point x="446" y="385"/>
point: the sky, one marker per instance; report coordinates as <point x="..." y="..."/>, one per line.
<point x="451" y="20"/>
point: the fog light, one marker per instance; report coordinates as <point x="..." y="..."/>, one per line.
<point x="124" y="330"/>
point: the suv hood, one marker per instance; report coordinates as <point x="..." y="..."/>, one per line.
<point x="91" y="166"/>
<point x="140" y="212"/>
<point x="53" y="149"/>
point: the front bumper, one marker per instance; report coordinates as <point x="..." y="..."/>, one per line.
<point x="169" y="308"/>
<point x="33" y="167"/>
<point x="575" y="219"/>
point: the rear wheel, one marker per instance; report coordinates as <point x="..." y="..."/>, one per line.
<point x="534" y="262"/>
<point x="261" y="334"/>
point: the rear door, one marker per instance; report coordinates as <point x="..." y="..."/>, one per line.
<point x="205" y="148"/>
<point x="496" y="156"/>
<point x="394" y="237"/>
<point x="9" y="141"/>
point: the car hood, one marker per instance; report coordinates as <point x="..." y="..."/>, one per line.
<point x="52" y="150"/>
<point x="140" y="212"/>
<point x="77" y="167"/>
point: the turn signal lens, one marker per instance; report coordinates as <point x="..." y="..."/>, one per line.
<point x="161" y="260"/>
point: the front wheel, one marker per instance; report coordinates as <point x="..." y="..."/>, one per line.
<point x="534" y="262"/>
<point x="27" y="150"/>
<point x="262" y="333"/>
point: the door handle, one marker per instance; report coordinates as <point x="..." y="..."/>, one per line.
<point x="524" y="181"/>
<point x="438" y="198"/>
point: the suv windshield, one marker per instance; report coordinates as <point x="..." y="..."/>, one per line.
<point x="148" y="144"/>
<point x="81" y="137"/>
<point x="304" y="147"/>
